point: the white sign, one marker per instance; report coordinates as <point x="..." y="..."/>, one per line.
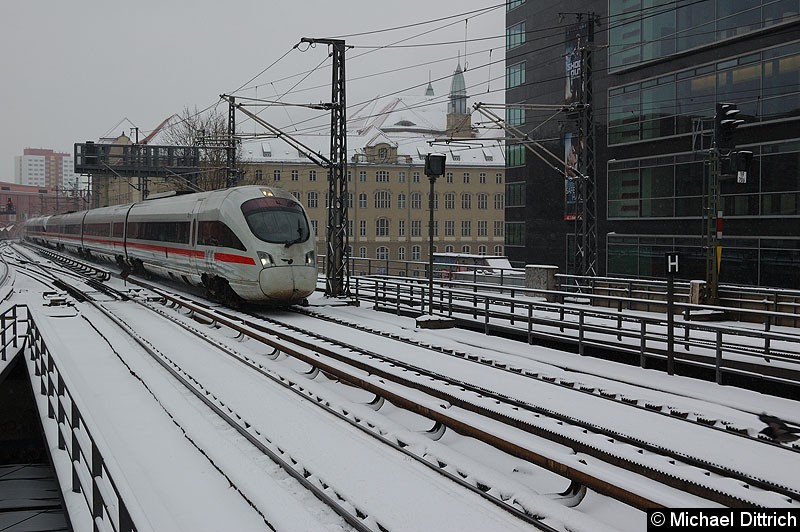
<point x="672" y="263"/>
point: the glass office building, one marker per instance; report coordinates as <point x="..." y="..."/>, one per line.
<point x="658" y="69"/>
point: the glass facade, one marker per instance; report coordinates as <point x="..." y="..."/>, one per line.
<point x="762" y="261"/>
<point x="765" y="86"/>
<point x="644" y="30"/>
<point x="673" y="186"/>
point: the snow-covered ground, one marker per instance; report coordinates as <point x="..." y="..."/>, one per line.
<point x="178" y="468"/>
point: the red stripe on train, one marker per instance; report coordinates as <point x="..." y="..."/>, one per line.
<point x="238" y="259"/>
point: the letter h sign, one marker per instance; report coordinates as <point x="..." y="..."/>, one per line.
<point x="672" y="263"/>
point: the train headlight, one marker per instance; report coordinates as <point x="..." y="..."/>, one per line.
<point x="266" y="259"/>
<point x="310" y="258"/>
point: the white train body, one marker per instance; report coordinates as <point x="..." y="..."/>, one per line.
<point x="256" y="241"/>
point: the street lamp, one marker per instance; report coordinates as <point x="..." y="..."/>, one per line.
<point x="434" y="167"/>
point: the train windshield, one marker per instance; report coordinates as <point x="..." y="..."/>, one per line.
<point x="276" y="220"/>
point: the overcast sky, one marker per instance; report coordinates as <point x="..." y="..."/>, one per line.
<point x="76" y="71"/>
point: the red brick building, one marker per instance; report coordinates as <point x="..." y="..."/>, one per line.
<point x="20" y="202"/>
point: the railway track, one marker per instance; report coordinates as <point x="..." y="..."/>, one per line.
<point x="607" y="392"/>
<point x="606" y="445"/>
<point x="358" y="517"/>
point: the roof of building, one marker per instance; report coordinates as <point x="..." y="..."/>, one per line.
<point x="407" y="124"/>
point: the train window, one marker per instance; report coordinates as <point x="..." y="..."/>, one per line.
<point x="97" y="229"/>
<point x="118" y="230"/>
<point x="276" y="220"/>
<point x="217" y="234"/>
<point x="177" y="232"/>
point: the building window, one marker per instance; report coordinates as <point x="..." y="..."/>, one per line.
<point x="415" y="177"/>
<point x="515" y="234"/>
<point x="416" y="228"/>
<point x="449" y="178"/>
<point x="276" y="175"/>
<point x="515" y="195"/>
<point x="764" y="84"/>
<point x="449" y="201"/>
<point x="382" y="176"/>
<point x="383" y="154"/>
<point x="382" y="253"/>
<point x="259" y="175"/>
<point x="515" y="35"/>
<point x="362" y="201"/>
<point x="401" y="253"/>
<point x="449" y="228"/>
<point x="498" y="178"/>
<point x="362" y="252"/>
<point x="401" y="228"/>
<point x="466" y="228"/>
<point x="295" y="175"/>
<point x="382" y="227"/>
<point x="515" y="116"/>
<point x="313" y="200"/>
<point x="481" y="250"/>
<point x="466" y="178"/>
<point x="498" y="251"/>
<point x="511" y="4"/>
<point x="466" y="201"/>
<point x="466" y="249"/>
<point x="315" y="225"/>
<point x="362" y="228"/>
<point x="383" y="199"/>
<point x="515" y="75"/>
<point x="499" y="202"/>
<point x="515" y="155"/>
<point x="483" y="228"/>
<point x="482" y="178"/>
<point x="362" y="176"/>
<point x="498" y="228"/>
<point x="312" y="175"/>
<point x="415" y="252"/>
<point x="401" y="201"/>
<point x="416" y="200"/>
<point x="435" y="201"/>
<point x="483" y="201"/>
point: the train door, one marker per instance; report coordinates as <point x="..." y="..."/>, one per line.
<point x="205" y="262"/>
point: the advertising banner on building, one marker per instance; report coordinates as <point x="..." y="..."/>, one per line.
<point x="573" y="146"/>
<point x="576" y="38"/>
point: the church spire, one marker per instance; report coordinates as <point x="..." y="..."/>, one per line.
<point x="459" y="123"/>
<point x="429" y="90"/>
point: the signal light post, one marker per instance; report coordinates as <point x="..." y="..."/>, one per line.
<point x="725" y="162"/>
<point x="434" y="167"/>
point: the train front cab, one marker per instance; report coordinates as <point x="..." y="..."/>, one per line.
<point x="285" y="246"/>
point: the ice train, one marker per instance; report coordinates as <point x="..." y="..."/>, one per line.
<point x="249" y="243"/>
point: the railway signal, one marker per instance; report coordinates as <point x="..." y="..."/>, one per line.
<point x="725" y="124"/>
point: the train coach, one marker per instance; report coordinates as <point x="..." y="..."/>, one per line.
<point x="248" y="243"/>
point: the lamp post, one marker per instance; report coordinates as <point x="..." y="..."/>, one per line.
<point x="434" y="167"/>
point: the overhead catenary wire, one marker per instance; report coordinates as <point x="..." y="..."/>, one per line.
<point x="488" y="64"/>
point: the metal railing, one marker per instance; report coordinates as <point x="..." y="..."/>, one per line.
<point x="525" y="312"/>
<point x="650" y="295"/>
<point x="90" y="474"/>
<point x="9" y="336"/>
